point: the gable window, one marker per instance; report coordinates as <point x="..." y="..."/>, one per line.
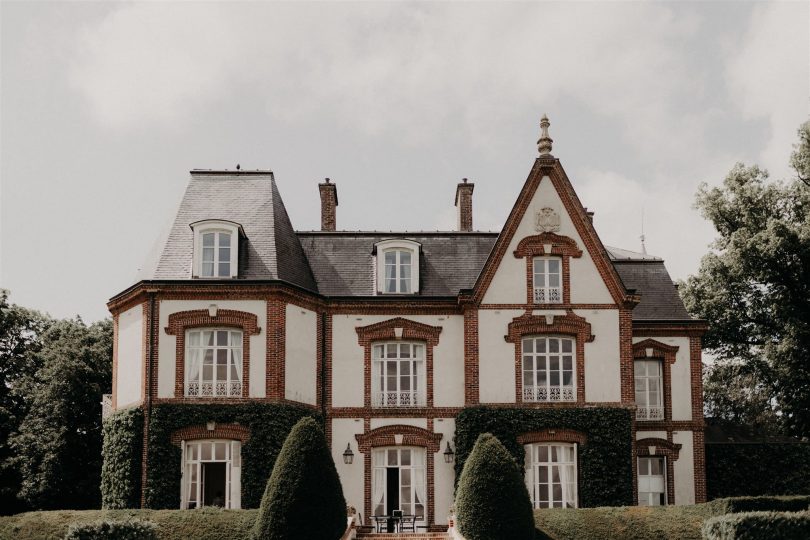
<point x="216" y="249"/>
<point x="397" y="266"/>
<point x="551" y="474"/>
<point x="649" y="390"/>
<point x="548" y="369"/>
<point x="652" y="485"/>
<point x="398" y="375"/>
<point x="213" y="363"/>
<point x="547" y="280"/>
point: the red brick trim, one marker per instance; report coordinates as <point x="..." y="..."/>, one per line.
<point x="663" y="448"/>
<point x="569" y="324"/>
<point x="626" y="368"/>
<point x="553" y="435"/>
<point x="533" y="246"/>
<point x="411" y="436"/>
<point x="181" y="321"/>
<point x="387" y="331"/>
<point x="233" y="432"/>
<point x="667" y="355"/>
<point x="471" y="373"/>
<point x="276" y="343"/>
<point x="696" y="374"/>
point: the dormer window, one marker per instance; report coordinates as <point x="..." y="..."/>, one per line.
<point x="397" y="267"/>
<point x="216" y="249"/>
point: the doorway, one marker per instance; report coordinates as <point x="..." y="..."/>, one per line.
<point x="214" y="482"/>
<point x="399" y="482"/>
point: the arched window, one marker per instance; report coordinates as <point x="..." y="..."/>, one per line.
<point x="397" y="266"/>
<point x="216" y="248"/>
<point x="649" y="389"/>
<point x="551" y="474"/>
<point x="398" y="374"/>
<point x="213" y="362"/>
<point x="549" y="368"/>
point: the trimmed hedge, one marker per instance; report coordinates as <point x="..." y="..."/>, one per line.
<point x="122" y="454"/>
<point x="605" y="462"/>
<point x="757" y="469"/>
<point x="304" y="498"/>
<point x="269" y="425"/>
<point x="736" y="505"/>
<point x="117" y="530"/>
<point x="758" y="526"/>
<point x="207" y="523"/>
<point x="492" y="501"/>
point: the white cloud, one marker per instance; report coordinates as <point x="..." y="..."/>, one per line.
<point x="768" y="76"/>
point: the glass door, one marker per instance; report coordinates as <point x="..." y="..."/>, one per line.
<point x="399" y="482"/>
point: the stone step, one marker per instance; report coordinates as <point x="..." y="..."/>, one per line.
<point x="404" y="536"/>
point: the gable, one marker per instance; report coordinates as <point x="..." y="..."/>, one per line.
<point x="592" y="277"/>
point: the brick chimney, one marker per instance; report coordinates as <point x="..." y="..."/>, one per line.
<point x="464" y="193"/>
<point x="329" y="202"/>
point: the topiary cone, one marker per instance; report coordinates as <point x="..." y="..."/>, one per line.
<point x="303" y="498"/>
<point x="491" y="500"/>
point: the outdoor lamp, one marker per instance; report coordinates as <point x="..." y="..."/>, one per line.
<point x="449" y="454"/>
<point x="348" y="455"/>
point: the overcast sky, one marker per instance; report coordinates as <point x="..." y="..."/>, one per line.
<point x="105" y="107"/>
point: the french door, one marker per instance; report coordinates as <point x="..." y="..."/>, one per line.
<point x="399" y="482"/>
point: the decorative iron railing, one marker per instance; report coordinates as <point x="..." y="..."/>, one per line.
<point x="547" y="394"/>
<point x="650" y="413"/>
<point x="398" y="399"/>
<point x="214" y="389"/>
<point x="547" y="295"/>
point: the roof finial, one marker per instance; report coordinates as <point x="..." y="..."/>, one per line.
<point x="544" y="143"/>
<point x="642" y="237"/>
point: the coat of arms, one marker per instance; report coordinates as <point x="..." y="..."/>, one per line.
<point x="547" y="220"/>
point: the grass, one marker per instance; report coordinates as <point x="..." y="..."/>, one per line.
<point x="203" y="524"/>
<point x="623" y="523"/>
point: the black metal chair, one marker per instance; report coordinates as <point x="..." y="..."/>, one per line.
<point x="407" y="523"/>
<point x="381" y="523"/>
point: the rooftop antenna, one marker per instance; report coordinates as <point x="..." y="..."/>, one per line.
<point x="642" y="237"/>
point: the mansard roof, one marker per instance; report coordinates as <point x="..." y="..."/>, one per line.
<point x="251" y="199"/>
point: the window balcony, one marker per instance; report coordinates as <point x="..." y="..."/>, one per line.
<point x="650" y="413"/>
<point x="547" y="295"/>
<point x="548" y="394"/>
<point x="213" y="389"/>
<point x="398" y="399"/>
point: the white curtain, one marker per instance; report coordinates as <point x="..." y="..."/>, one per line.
<point x="568" y="477"/>
<point x="194" y="356"/>
<point x="378" y="481"/>
<point x="419" y="472"/>
<point x="236" y="342"/>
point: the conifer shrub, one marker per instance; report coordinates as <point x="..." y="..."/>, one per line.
<point x="491" y="500"/>
<point x="303" y="497"/>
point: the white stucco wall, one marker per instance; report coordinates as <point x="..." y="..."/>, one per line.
<point x="496" y="357"/>
<point x="301" y="355"/>
<point x="602" y="356"/>
<point x="167" y="343"/>
<point x="129" y="377"/>
<point x="681" y="373"/>
<point x="651" y="434"/>
<point x="684" y="468"/>
<point x="380" y="422"/>
<point x="351" y="476"/>
<point x="508" y="285"/>
<point x="444" y="473"/>
<point x="347" y="358"/>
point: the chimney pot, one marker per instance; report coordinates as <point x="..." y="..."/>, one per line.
<point x="464" y="192"/>
<point x="329" y="202"/>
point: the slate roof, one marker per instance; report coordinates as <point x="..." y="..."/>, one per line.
<point x="340" y="264"/>
<point x="251" y="199"/>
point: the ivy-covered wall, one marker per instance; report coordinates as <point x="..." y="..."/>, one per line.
<point x="122" y="454"/>
<point x="757" y="469"/>
<point x="605" y="462"/>
<point x="269" y="424"/>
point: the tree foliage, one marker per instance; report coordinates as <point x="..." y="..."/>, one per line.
<point x="491" y="500"/>
<point x="754" y="289"/>
<point x="303" y="498"/>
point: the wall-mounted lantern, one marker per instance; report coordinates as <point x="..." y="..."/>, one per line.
<point x="348" y="455"/>
<point x="449" y="455"/>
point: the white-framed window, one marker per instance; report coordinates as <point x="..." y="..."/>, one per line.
<point x="549" y="368"/>
<point x="652" y="483"/>
<point x="397" y="267"/>
<point x="211" y="474"/>
<point x="551" y="474"/>
<point x="649" y="389"/>
<point x="216" y="249"/>
<point x="399" y="482"/>
<point x="213" y="362"/>
<point x="548" y="288"/>
<point x="398" y="374"/>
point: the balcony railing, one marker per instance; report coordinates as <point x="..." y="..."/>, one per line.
<point x="548" y="394"/>
<point x="214" y="389"/>
<point x="650" y="413"/>
<point x="398" y="399"/>
<point x="547" y="295"/>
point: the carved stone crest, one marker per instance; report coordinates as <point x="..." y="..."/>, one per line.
<point x="547" y="220"/>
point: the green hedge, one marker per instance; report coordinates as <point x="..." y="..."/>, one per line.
<point x="736" y="505"/>
<point x="605" y="462"/>
<point x="758" y="526"/>
<point x="757" y="469"/>
<point x="269" y="424"/>
<point x="109" y="530"/>
<point x="201" y="524"/>
<point x="122" y="454"/>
